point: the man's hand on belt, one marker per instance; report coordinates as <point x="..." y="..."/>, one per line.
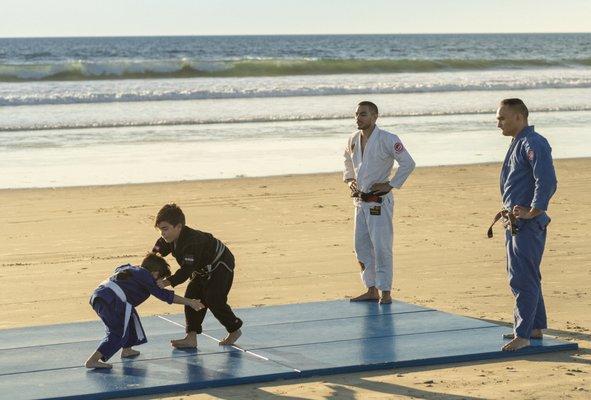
<point x="352" y="185"/>
<point x="506" y="222"/>
<point x="381" y="188"/>
<point x="526" y="212"/>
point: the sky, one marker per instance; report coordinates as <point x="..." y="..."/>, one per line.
<point x="43" y="18"/>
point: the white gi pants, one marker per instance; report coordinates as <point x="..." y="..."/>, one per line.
<point x="374" y="234"/>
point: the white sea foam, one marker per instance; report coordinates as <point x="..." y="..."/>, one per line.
<point x="42" y="93"/>
<point x="251" y="110"/>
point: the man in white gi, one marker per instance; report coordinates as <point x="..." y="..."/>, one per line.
<point x="369" y="159"/>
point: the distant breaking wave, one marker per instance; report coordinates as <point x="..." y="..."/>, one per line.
<point x="283" y="118"/>
<point x="38" y="93"/>
<point x="184" y="68"/>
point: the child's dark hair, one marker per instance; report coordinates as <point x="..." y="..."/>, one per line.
<point x="155" y="263"/>
<point x="170" y="213"/>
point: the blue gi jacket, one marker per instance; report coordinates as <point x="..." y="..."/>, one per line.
<point x="137" y="287"/>
<point x="528" y="178"/>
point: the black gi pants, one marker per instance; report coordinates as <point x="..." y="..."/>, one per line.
<point x="213" y="293"/>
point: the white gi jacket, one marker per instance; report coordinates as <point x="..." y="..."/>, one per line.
<point x="376" y="163"/>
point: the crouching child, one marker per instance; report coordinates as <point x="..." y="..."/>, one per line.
<point x="115" y="300"/>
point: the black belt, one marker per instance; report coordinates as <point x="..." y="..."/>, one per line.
<point x="206" y="270"/>
<point x="370" y="197"/>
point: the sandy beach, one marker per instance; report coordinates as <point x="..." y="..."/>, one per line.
<point x="295" y="232"/>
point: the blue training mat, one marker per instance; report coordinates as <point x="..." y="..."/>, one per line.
<point x="278" y="342"/>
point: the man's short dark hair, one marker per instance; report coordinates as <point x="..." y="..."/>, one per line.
<point x="516" y="105"/>
<point x="172" y="214"/>
<point x="372" y="107"/>
<point x="155" y="263"/>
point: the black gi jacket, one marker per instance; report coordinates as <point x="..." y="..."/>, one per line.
<point x="194" y="250"/>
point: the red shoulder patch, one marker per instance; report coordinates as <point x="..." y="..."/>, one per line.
<point x="398" y="147"/>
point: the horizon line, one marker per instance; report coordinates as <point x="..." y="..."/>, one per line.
<point x="295" y="34"/>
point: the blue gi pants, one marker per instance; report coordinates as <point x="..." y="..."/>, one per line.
<point x="113" y="314"/>
<point x="524" y="255"/>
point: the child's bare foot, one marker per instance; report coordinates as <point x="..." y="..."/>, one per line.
<point x="516" y="344"/>
<point x="231" y="338"/>
<point x="128" y="352"/>
<point x="188" y="342"/>
<point x="94" y="361"/>
<point x="97" y="364"/>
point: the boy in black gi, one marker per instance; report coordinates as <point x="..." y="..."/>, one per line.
<point x="210" y="266"/>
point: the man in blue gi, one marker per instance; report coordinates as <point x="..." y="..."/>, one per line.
<point x="528" y="181"/>
<point x="115" y="300"/>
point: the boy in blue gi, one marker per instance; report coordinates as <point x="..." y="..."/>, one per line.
<point x="528" y="181"/>
<point x="115" y="300"/>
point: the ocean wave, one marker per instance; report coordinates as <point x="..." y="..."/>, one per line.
<point x="267" y="88"/>
<point x="283" y="118"/>
<point x="186" y="68"/>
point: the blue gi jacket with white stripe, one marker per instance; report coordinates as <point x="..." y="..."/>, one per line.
<point x="528" y="178"/>
<point x="138" y="286"/>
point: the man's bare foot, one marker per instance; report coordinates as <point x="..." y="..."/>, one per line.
<point x="386" y="298"/>
<point x="231" y="338"/>
<point x="128" y="352"/>
<point x="188" y="342"/>
<point x="536" y="334"/>
<point x="516" y="344"/>
<point x="97" y="364"/>
<point x="371" y="295"/>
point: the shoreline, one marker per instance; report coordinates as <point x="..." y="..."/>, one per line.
<point x="262" y="177"/>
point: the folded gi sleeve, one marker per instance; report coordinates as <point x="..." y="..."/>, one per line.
<point x="539" y="156"/>
<point x="405" y="162"/>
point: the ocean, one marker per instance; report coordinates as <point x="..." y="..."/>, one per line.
<point x="96" y="111"/>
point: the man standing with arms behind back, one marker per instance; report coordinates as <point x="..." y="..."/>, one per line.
<point x="528" y="181"/>
<point x="369" y="158"/>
